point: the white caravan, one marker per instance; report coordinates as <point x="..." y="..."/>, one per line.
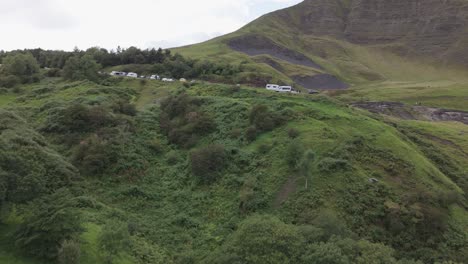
<point x="272" y="87"/>
<point x="285" y="89"/>
<point x="117" y="73"/>
<point x="132" y="75"/>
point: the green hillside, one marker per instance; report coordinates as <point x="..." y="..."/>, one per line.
<point x="217" y="169"/>
<point x="298" y="45"/>
<point x="190" y="173"/>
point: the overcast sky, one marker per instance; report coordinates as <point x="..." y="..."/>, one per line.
<point x="64" y="24"/>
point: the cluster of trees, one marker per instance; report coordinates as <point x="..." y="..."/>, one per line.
<point x="18" y="68"/>
<point x="80" y="64"/>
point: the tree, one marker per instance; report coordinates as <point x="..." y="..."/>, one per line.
<point x="294" y="154"/>
<point x="53" y="219"/>
<point x="305" y="165"/>
<point x="23" y="66"/>
<point x="81" y="68"/>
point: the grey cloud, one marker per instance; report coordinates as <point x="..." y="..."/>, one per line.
<point x="41" y="14"/>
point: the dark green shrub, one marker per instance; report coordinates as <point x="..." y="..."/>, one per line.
<point x="182" y="121"/>
<point x="333" y="165"/>
<point x="251" y="133"/>
<point x="173" y="157"/>
<point x="261" y="118"/>
<point x="54" y="72"/>
<point x="53" y="219"/>
<point x="94" y="155"/>
<point x="155" y="145"/>
<point x="125" y="108"/>
<point x="294" y="153"/>
<point x="207" y="162"/>
<point x="78" y="118"/>
<point x="264" y="148"/>
<point x="261" y="239"/>
<point x="69" y="252"/>
<point x="9" y="81"/>
<point x="114" y="239"/>
<point x="293" y="133"/>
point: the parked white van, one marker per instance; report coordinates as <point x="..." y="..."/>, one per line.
<point x="285" y="89"/>
<point x="272" y="87"/>
<point x="132" y="75"/>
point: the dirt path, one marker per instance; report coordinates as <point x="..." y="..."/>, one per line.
<point x="289" y="187"/>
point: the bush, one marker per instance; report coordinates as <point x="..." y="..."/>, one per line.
<point x="261" y="118"/>
<point x="293" y="133"/>
<point x="9" y="81"/>
<point x="182" y="121"/>
<point x="173" y="157"/>
<point x="54" y="72"/>
<point x="261" y="239"/>
<point x="294" y="154"/>
<point x="251" y="134"/>
<point x="53" y="219"/>
<point x="207" y="162"/>
<point x="333" y="165"/>
<point x="78" y="118"/>
<point x="69" y="252"/>
<point x="125" y="108"/>
<point x="94" y="155"/>
<point x="114" y="239"/>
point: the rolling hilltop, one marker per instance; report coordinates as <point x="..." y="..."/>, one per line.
<point x="102" y="169"/>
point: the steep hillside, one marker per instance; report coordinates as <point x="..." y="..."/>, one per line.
<point x="336" y="44"/>
<point x="205" y="172"/>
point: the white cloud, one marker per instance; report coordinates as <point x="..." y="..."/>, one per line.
<point x="64" y="24"/>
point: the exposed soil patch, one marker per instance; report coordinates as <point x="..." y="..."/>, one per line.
<point x="403" y="111"/>
<point x="444" y="142"/>
<point x="254" y="45"/>
<point x="274" y="64"/>
<point x="287" y="189"/>
<point x="320" y="81"/>
<point x="437" y="114"/>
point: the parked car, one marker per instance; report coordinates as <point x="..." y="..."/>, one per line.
<point x="155" y="77"/>
<point x="167" y="80"/>
<point x="132" y="75"/>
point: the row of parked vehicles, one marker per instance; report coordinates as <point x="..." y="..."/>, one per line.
<point x="281" y="89"/>
<point x="135" y="75"/>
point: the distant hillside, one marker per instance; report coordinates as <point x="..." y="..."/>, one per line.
<point x="333" y="44"/>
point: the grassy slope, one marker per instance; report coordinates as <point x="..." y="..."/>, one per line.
<point x="179" y="216"/>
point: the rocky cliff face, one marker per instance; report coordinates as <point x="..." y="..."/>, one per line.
<point x="421" y="27"/>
